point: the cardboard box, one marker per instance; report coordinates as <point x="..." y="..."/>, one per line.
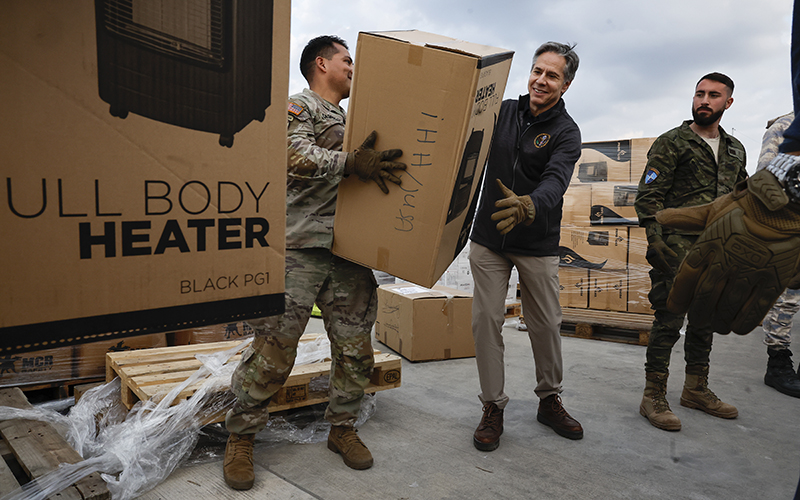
<point x="573" y="287"/>
<point x="37" y="367"/>
<point x="638" y="272"/>
<point x="577" y="209"/>
<point x="436" y="98"/>
<point x="639" y="149"/>
<point x="128" y="213"/>
<point x="608" y="290"/>
<point x="424" y="324"/>
<point x="90" y="359"/>
<point x="595" y="247"/>
<point x="607" y="161"/>
<point x="612" y="203"/>
<point x="212" y="333"/>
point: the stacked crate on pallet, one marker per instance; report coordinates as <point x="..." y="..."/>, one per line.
<point x="56" y="371"/>
<point x="602" y="266"/>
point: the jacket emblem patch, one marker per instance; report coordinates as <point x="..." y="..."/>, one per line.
<point x="650" y="176"/>
<point x="295" y="109"/>
<point x="541" y="140"/>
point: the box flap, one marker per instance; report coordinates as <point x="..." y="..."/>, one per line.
<point x="441" y="42"/>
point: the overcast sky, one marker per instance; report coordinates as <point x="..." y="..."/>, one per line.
<point x="640" y="59"/>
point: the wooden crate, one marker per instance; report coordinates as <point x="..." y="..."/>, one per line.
<point x="149" y="373"/>
<point x="513" y="309"/>
<point x="32" y="449"/>
<point x="629" y="328"/>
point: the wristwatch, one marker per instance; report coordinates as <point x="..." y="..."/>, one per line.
<point x="786" y="169"/>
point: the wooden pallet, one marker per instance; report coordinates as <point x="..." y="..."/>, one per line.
<point x="151" y="373"/>
<point x="614" y="326"/>
<point x="513" y="309"/>
<point x="31" y="449"/>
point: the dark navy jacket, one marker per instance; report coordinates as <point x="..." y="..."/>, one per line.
<point x="533" y="156"/>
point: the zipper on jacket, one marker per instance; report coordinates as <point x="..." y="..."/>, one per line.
<point x="516" y="164"/>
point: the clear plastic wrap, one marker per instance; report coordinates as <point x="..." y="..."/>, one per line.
<point x="136" y="450"/>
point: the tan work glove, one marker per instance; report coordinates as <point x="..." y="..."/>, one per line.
<point x="369" y="164"/>
<point x="657" y="252"/>
<point x="516" y="209"/>
<point x="743" y="260"/>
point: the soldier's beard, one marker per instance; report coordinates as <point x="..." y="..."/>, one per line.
<point x="706" y="120"/>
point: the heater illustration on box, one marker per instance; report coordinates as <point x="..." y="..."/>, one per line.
<point x="199" y="64"/>
<point x="466" y="174"/>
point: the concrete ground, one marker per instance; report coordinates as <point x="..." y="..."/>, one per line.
<point x="421" y="436"/>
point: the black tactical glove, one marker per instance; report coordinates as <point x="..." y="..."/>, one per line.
<point x="657" y="252"/>
<point x="747" y="254"/>
<point x="368" y="164"/>
<point x="516" y="209"/>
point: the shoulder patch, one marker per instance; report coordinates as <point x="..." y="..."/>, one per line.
<point x="651" y="175"/>
<point x="295" y="109"/>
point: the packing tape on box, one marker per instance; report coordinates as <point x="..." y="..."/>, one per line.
<point x="383" y="257"/>
<point x="415" y="54"/>
<point x="446" y="309"/>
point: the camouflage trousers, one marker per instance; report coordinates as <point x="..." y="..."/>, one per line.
<point x="667" y="326"/>
<point x="777" y="323"/>
<point x="346" y="294"/>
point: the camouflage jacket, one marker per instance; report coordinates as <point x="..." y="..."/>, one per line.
<point x="773" y="138"/>
<point x="681" y="171"/>
<point x="315" y="168"/>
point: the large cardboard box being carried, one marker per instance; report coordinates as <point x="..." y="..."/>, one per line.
<point x="425" y="323"/>
<point x="143" y="161"/>
<point x="437" y="99"/>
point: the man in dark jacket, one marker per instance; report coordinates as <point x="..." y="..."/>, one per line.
<point x="534" y="150"/>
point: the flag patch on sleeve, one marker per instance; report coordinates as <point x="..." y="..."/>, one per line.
<point x="295" y="109"/>
<point x="650" y="176"/>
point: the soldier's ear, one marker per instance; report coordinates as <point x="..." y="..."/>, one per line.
<point x="728" y="102"/>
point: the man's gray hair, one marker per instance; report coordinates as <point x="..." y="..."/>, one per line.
<point x="563" y="50"/>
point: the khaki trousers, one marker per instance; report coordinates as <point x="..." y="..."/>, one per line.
<point x="539" y="288"/>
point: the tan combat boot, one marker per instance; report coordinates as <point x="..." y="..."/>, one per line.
<point x="696" y="394"/>
<point x="238" y="464"/>
<point x="344" y="440"/>
<point x="654" y="404"/>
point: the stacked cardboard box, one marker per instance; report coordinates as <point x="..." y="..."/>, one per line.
<point x="424" y="324"/>
<point x="129" y="209"/>
<point x="68" y="364"/>
<point x="602" y="248"/>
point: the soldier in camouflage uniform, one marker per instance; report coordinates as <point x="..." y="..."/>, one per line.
<point x="777" y="323"/>
<point x="689" y="165"/>
<point x="344" y="292"/>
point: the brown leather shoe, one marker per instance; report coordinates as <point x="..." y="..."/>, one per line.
<point x="487" y="435"/>
<point x="553" y="414"/>
<point x="344" y="440"/>
<point x="238" y="464"/>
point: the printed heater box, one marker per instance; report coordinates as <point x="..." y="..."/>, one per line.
<point x="437" y="99"/>
<point x="127" y="206"/>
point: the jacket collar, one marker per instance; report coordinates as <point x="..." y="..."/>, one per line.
<point x="523" y="107"/>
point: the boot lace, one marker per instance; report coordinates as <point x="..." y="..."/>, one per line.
<point x="242" y="449"/>
<point x="558" y="407"/>
<point x="660" y="403"/>
<point x="350" y="438"/>
<point x="705" y="391"/>
<point x="491" y="416"/>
